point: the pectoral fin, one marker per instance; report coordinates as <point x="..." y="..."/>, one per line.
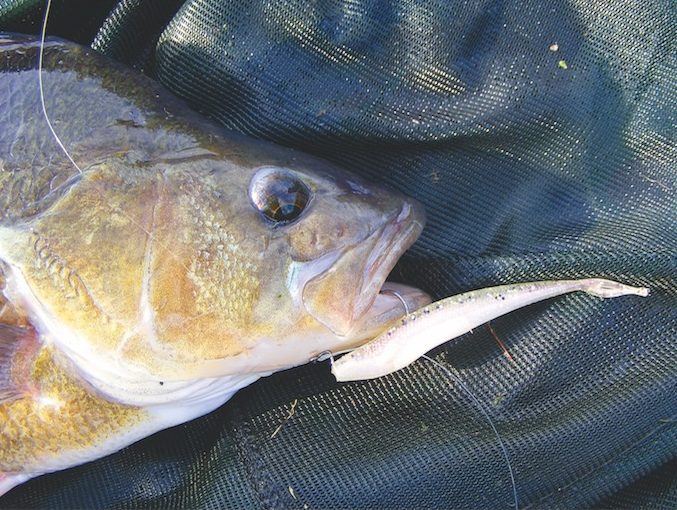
<point x="18" y="346"/>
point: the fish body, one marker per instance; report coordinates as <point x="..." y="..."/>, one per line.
<point x="169" y="264"/>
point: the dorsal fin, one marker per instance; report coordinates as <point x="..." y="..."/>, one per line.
<point x="18" y="346"/>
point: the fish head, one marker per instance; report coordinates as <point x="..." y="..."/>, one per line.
<point x="288" y="261"/>
<point x="323" y="270"/>
<point x="240" y="259"/>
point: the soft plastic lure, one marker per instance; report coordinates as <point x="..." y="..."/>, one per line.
<point x="418" y="332"/>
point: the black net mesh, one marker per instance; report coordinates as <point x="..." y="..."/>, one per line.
<point x="540" y="138"/>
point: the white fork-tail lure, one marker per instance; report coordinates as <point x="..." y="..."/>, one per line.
<point x="419" y="332"/>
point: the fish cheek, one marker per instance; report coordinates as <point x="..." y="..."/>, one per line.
<point x="275" y="311"/>
<point x="202" y="290"/>
<point x="201" y="308"/>
<point x="316" y="236"/>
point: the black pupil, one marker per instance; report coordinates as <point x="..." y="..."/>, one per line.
<point x="280" y="196"/>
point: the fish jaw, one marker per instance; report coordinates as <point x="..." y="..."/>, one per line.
<point x="347" y="297"/>
<point x="393" y="302"/>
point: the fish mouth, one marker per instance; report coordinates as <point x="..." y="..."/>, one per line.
<point x="392" y="241"/>
<point x="379" y="302"/>
<point x="352" y="298"/>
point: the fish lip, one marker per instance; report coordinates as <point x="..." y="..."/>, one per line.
<point x="396" y="237"/>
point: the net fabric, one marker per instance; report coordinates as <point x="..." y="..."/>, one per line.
<point x="540" y="139"/>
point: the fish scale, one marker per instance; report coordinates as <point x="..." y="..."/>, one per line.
<point x="62" y="423"/>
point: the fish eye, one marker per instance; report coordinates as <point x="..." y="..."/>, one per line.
<point x="278" y="194"/>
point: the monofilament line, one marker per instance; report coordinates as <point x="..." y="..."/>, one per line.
<point x="484" y="412"/>
<point x="63" y="148"/>
<point x="42" y="91"/>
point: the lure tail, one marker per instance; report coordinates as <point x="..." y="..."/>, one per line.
<point x="609" y="289"/>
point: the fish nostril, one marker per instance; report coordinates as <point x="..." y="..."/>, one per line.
<point x="357" y="188"/>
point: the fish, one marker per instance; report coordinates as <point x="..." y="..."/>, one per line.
<point x="152" y="264"/>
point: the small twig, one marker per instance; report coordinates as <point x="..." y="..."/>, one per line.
<point x="291" y="412"/>
<point x="506" y="353"/>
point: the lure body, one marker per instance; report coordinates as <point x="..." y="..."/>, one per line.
<point x="426" y="328"/>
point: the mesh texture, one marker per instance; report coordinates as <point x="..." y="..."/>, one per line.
<point x="540" y="138"/>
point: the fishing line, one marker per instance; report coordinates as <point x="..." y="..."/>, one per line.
<point x="484" y="412"/>
<point x="42" y="90"/>
<point x="41" y="52"/>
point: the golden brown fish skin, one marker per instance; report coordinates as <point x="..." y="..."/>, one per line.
<point x="166" y="251"/>
<point x="61" y="418"/>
